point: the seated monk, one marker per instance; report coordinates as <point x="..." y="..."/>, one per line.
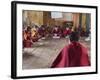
<point x="56" y="32"/>
<point x="72" y="55"/>
<point x="66" y="32"/>
<point x="27" y="41"/>
<point x="42" y="31"/>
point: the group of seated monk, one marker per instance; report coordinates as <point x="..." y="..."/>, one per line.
<point x="30" y="35"/>
<point x="61" y="32"/>
<point x="33" y="34"/>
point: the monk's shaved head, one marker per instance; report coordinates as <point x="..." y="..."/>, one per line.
<point x="74" y="36"/>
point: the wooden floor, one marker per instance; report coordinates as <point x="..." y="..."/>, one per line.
<point x="43" y="53"/>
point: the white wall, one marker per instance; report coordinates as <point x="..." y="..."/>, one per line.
<point x="5" y="37"/>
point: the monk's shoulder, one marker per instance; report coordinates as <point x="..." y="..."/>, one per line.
<point x="84" y="49"/>
<point x="66" y="47"/>
<point x="83" y="46"/>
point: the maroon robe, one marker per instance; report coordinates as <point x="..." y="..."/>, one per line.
<point x="73" y="55"/>
<point x="42" y="31"/>
<point x="27" y="42"/>
<point x="57" y="31"/>
<point x="66" y="32"/>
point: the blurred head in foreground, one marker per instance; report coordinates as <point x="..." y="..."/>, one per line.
<point x="74" y="36"/>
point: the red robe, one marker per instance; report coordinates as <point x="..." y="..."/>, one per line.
<point x="27" y="42"/>
<point x="73" y="55"/>
<point x="58" y="32"/>
<point x="66" y="32"/>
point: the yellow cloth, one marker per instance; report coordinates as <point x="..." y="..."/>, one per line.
<point x="33" y="32"/>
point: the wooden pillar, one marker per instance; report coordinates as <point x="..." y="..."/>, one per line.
<point x="80" y="20"/>
<point x="88" y="21"/>
<point x="84" y="21"/>
<point x="75" y="20"/>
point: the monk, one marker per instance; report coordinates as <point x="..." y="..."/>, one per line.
<point x="27" y="41"/>
<point x="42" y="31"/>
<point x="72" y="55"/>
<point x="66" y="32"/>
<point x="56" y="32"/>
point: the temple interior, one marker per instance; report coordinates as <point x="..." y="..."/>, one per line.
<point x="48" y="32"/>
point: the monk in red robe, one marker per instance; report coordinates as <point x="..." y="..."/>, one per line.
<point x="66" y="32"/>
<point x="42" y="31"/>
<point x="72" y="55"/>
<point x="27" y="41"/>
<point x="56" y="31"/>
